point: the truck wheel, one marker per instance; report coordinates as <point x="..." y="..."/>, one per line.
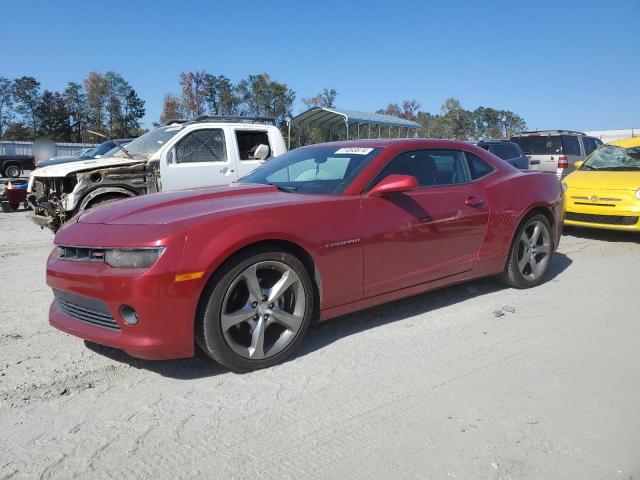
<point x="12" y="171"/>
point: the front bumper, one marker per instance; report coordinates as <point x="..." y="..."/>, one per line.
<point x="603" y="209"/>
<point x="166" y="309"/>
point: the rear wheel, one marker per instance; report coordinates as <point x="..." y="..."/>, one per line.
<point x="530" y="254"/>
<point x="256" y="310"/>
<point x="12" y="171"/>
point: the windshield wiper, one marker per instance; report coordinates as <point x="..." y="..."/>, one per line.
<point x="284" y="188"/>
<point x="627" y="168"/>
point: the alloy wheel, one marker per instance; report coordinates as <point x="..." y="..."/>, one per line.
<point x="534" y="249"/>
<point x="263" y="310"/>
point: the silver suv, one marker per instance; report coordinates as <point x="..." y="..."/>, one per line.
<point x="556" y="150"/>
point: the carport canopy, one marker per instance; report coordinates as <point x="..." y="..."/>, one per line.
<point x="356" y="124"/>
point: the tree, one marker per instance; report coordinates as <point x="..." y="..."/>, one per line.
<point x="18" y="131"/>
<point x="408" y="110"/>
<point x="194" y="93"/>
<point x="324" y="99"/>
<point x="26" y="95"/>
<point x="171" y="108"/>
<point x="134" y="111"/>
<point x="263" y="97"/>
<point x="6" y="104"/>
<point x="457" y="121"/>
<point x="96" y="89"/>
<point x="74" y="98"/>
<point x="53" y="117"/>
<point x="220" y="95"/>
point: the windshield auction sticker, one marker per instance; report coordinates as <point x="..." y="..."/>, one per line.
<point x="354" y="151"/>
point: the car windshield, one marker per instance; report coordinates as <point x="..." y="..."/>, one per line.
<point x="611" y="157"/>
<point x="322" y="170"/>
<point x="90" y="153"/>
<point x="146" y="145"/>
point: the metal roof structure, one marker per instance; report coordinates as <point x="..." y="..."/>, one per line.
<point x="334" y="119"/>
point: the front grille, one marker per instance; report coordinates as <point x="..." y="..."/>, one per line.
<point x="87" y="310"/>
<point x="602" y="219"/>
<point x="81" y="254"/>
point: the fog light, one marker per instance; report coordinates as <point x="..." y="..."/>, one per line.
<point x="129" y="315"/>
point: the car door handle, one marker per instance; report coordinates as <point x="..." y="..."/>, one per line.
<point x="226" y="170"/>
<point x="473" y="202"/>
<point x="535" y="162"/>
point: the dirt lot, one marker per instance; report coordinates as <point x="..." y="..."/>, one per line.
<point x="436" y="386"/>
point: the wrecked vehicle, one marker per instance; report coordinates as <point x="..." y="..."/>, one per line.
<point x="206" y="151"/>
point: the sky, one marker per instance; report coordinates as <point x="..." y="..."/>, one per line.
<point x="558" y="64"/>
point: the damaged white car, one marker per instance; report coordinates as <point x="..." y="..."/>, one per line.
<point x="206" y="151"/>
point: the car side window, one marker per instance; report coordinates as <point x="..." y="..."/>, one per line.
<point x="589" y="145"/>
<point x="207" y="145"/>
<point x="477" y="166"/>
<point x="430" y="167"/>
<point x="570" y="145"/>
<point x="249" y="140"/>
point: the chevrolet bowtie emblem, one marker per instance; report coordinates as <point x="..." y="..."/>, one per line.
<point x="594" y="198"/>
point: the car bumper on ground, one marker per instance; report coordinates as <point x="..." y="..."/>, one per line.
<point x="92" y="301"/>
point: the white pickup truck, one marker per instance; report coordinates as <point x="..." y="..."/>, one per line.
<point x="206" y="151"/>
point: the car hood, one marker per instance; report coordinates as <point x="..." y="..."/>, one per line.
<point x="64" y="169"/>
<point x="172" y="207"/>
<point x="603" y="180"/>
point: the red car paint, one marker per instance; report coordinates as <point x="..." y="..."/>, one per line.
<point x="365" y="250"/>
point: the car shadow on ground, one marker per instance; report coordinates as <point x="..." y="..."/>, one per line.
<point x="325" y="333"/>
<point x="601" y="234"/>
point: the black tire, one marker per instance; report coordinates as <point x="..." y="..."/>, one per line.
<point x="512" y="274"/>
<point x="12" y="171"/>
<point x="209" y="333"/>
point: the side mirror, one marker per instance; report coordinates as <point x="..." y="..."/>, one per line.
<point x="261" y="152"/>
<point x="394" y="184"/>
<point x="578" y="164"/>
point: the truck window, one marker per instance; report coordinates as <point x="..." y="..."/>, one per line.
<point x="249" y="140"/>
<point x="571" y="145"/>
<point x="589" y="145"/>
<point x="202" y="146"/>
<point x="539" y="144"/>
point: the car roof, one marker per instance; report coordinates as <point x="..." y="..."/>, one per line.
<point x="626" y="142"/>
<point x="386" y="142"/>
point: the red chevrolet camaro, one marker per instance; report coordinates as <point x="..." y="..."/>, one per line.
<point x="241" y="271"/>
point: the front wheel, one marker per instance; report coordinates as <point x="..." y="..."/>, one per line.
<point x="256" y="310"/>
<point x="530" y="254"/>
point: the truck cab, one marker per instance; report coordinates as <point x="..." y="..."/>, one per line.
<point x="207" y="151"/>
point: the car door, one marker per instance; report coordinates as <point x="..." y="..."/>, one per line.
<point x="200" y="158"/>
<point x="246" y="142"/>
<point x="416" y="237"/>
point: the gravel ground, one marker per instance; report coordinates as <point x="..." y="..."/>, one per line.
<point x="471" y="382"/>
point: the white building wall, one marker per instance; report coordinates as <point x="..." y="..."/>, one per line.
<point x="611" y="135"/>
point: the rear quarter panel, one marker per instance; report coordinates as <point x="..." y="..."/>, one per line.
<point x="511" y="197"/>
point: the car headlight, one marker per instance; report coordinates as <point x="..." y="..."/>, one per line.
<point x="638" y="194"/>
<point x="132" y="257"/>
<point x="565" y="187"/>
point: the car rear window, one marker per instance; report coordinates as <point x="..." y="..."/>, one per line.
<point x="539" y="144"/>
<point x="504" y="151"/>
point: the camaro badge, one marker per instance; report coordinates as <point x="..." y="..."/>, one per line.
<point x="342" y="243"/>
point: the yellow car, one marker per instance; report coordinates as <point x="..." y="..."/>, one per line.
<point x="604" y="191"/>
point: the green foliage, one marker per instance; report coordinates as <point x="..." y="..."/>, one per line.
<point x="52" y="116"/>
<point x="26" y="95"/>
<point x="6" y="104"/>
<point x="455" y="122"/>
<point x="324" y="99"/>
